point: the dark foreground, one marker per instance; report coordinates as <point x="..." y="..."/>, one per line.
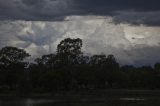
<point x="87" y="98"/>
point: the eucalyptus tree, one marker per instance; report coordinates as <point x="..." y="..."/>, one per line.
<point x="13" y="65"/>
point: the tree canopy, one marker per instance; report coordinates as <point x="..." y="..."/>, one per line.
<point x="9" y="55"/>
<point x="70" y="69"/>
<point x="69" y="50"/>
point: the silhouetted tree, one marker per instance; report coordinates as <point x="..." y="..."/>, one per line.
<point x="70" y="69"/>
<point x="111" y="70"/>
<point x="11" y="59"/>
<point x="48" y="61"/>
<point x="157" y="66"/>
<point x="9" y="55"/>
<point x="157" y="74"/>
<point x="69" y="50"/>
<point x="98" y="60"/>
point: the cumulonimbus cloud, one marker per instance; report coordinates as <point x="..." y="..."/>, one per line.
<point x="130" y="44"/>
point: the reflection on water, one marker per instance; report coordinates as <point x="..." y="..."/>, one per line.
<point x="81" y="102"/>
<point x="132" y="99"/>
<point x="31" y="102"/>
<point x="26" y="102"/>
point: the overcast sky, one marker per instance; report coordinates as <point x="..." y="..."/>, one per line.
<point x="129" y="29"/>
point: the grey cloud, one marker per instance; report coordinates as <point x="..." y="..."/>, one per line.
<point x="146" y="55"/>
<point x="34" y="2"/>
<point x="151" y="18"/>
<point x="144" y="11"/>
<point x="99" y="35"/>
<point x="33" y="10"/>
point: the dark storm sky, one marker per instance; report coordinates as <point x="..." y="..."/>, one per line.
<point x="143" y="11"/>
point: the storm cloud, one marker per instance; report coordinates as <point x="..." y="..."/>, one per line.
<point x="126" y="11"/>
<point x="129" y="29"/>
<point x="130" y="44"/>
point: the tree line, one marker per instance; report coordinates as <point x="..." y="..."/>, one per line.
<point x="70" y="69"/>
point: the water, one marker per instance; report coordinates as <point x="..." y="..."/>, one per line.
<point x="89" y="98"/>
<point x="83" y="102"/>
